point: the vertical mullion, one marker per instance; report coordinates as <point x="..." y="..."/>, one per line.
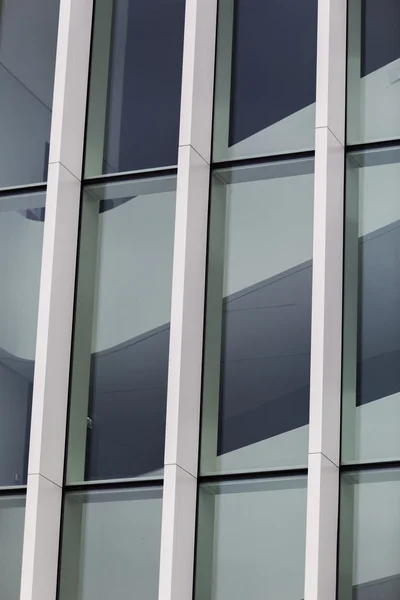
<point x="50" y="394"/>
<point x="326" y="338"/>
<point x="187" y="311"/>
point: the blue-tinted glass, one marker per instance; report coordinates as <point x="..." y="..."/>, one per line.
<point x="12" y="519"/>
<point x="135" y="85"/>
<point x="28" y="40"/>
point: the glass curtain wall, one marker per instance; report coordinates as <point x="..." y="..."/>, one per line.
<point x="256" y="371"/>
<point x="28" y="40"/>
<point x="369" y="519"/>
<point x="119" y="366"/>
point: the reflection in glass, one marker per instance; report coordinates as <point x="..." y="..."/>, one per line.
<point x="135" y="85"/>
<point x="373" y="71"/>
<point x="265" y="77"/>
<point x="111" y="545"/>
<point x="251" y="540"/>
<point x="21" y="240"/>
<point x="369" y="556"/>
<point x="258" y="318"/>
<point x="371" y="377"/>
<point x="121" y="342"/>
<point x="12" y="518"/>
<point x="28" y="40"/>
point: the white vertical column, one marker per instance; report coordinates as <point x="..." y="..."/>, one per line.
<point x="187" y="312"/>
<point x="50" y="394"/>
<point x="326" y="339"/>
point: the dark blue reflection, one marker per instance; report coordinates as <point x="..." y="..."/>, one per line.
<point x="145" y="128"/>
<point x="274" y="63"/>
<point x="380" y="34"/>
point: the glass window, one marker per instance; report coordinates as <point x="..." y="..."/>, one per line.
<point x="265" y="77"/>
<point x="251" y="540"/>
<point x="135" y="85"/>
<point x="111" y="545"/>
<point x="371" y="377"/>
<point x="369" y="557"/>
<point x="121" y="341"/>
<point x="21" y="240"/>
<point x="12" y="519"/>
<point x="373" y="71"/>
<point x="258" y="318"/>
<point x="28" y="39"/>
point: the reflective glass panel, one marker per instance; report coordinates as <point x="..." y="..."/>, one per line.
<point x="373" y="71"/>
<point x="111" y="545"/>
<point x="371" y="376"/>
<point x="369" y="556"/>
<point x="21" y="240"/>
<point x="135" y="85"/>
<point x="265" y="77"/>
<point x="28" y="40"/>
<point x="258" y="318"/>
<point x="251" y="540"/>
<point x="12" y="519"/>
<point x="121" y="342"/>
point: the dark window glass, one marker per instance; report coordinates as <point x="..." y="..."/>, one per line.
<point x="369" y="556"/>
<point x="121" y="341"/>
<point x="371" y="377"/>
<point x="266" y="77"/>
<point x="111" y="545"/>
<point x="21" y="240"/>
<point x="251" y="540"/>
<point x="258" y="318"/>
<point x="135" y="85"/>
<point x="28" y="40"/>
<point x="12" y="519"/>
<point x="373" y="71"/>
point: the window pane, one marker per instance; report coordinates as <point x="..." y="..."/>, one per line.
<point x="258" y="319"/>
<point x="12" y="519"/>
<point x="265" y="78"/>
<point x="21" y="240"/>
<point x="111" y="545"/>
<point x="369" y="556"/>
<point x="28" y="39"/>
<point x="135" y="85"/>
<point x="373" y="71"/>
<point x="121" y="343"/>
<point x="371" y="377"/>
<point x="251" y="540"/>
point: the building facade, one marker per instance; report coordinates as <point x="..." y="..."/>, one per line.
<point x="200" y="282"/>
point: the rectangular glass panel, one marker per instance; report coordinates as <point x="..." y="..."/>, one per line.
<point x="371" y="377"/>
<point x="28" y="41"/>
<point x="369" y="556"/>
<point x="251" y="540"/>
<point x="111" y="545"/>
<point x="135" y="85"/>
<point x="265" y="77"/>
<point x="12" y="519"/>
<point x="21" y="240"/>
<point x="373" y="71"/>
<point x="258" y="318"/>
<point x="121" y="340"/>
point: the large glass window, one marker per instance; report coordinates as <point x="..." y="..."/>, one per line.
<point x="370" y="536"/>
<point x="265" y="78"/>
<point x="12" y="518"/>
<point x="251" y="540"/>
<point x="28" y="39"/>
<point x="121" y="341"/>
<point x="371" y="377"/>
<point x="21" y="240"/>
<point x="111" y="544"/>
<point x="258" y="318"/>
<point x="373" y="73"/>
<point x="135" y="85"/>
